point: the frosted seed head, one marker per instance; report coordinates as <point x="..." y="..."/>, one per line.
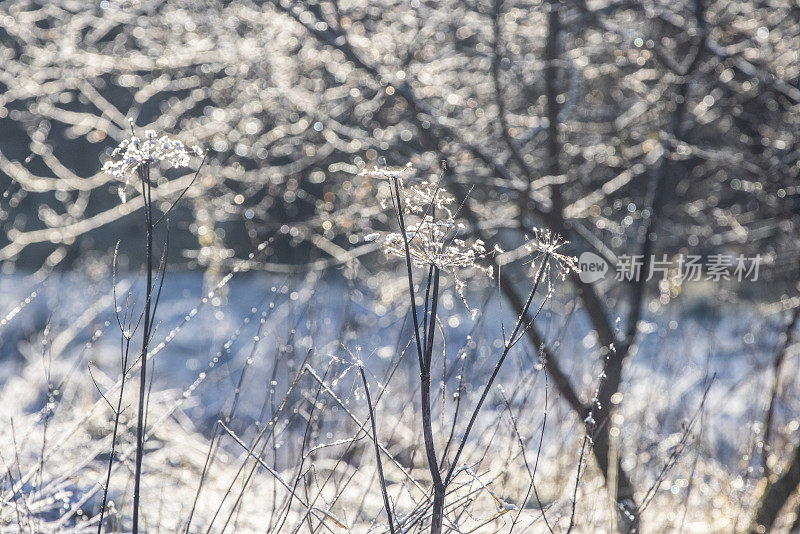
<point x="431" y="232"/>
<point x="545" y="244"/>
<point x="132" y="153"/>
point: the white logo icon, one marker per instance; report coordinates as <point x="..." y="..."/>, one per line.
<point x="592" y="266"/>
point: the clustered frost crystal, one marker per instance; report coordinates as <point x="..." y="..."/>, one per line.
<point x="134" y="152"/>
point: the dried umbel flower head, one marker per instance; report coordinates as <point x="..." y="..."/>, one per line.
<point x="388" y="173"/>
<point x="424" y="197"/>
<point x="433" y="242"/>
<point x="546" y="245"/>
<point x="419" y="198"/>
<point x="432" y="239"/>
<point x="133" y="153"/>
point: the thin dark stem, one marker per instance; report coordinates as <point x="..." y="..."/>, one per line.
<point x="427" y="423"/>
<point x="424" y="355"/>
<point x="125" y="350"/>
<point x="377" y="452"/>
<point x="499" y="364"/>
<point x="676" y="452"/>
<point x="578" y="475"/>
<point x="531" y="472"/>
<point x="145" y="178"/>
<point x="776" y="382"/>
<point x="183" y="192"/>
<point x="117" y="414"/>
<point x="160" y="275"/>
<point x="432" y="322"/>
<point x="401" y="220"/>
<point x="426" y="311"/>
<point x="459" y="391"/>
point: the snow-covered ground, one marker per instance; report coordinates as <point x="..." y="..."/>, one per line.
<point x="230" y="350"/>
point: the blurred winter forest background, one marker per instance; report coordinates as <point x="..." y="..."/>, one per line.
<point x="658" y="129"/>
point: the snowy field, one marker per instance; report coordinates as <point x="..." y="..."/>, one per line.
<point x="232" y="349"/>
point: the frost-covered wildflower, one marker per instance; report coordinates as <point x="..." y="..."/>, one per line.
<point x="419" y="198"/>
<point x="133" y="153"/>
<point x="545" y="243"/>
<point x="433" y="242"/>
<point x="387" y="172"/>
<point x="433" y="238"/>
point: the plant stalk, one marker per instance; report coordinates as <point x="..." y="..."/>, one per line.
<point x="144" y="174"/>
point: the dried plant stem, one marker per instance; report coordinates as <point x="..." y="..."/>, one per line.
<point x="144" y="175"/>
<point x="386" y="502"/>
<point x="424" y="355"/>
<point x="777" y="366"/>
<point x="117" y="413"/>
<point x="427" y="423"/>
<point x="512" y="340"/>
<point x="124" y="347"/>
